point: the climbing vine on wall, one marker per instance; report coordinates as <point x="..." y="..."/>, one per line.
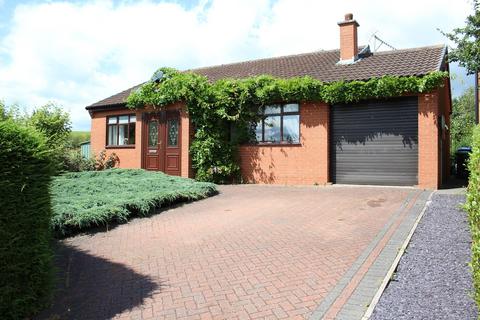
<point x="214" y="107"/>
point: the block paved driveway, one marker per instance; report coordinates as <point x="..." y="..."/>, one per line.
<point x="251" y="252"/>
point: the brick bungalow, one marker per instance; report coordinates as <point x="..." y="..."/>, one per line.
<point x="396" y="141"/>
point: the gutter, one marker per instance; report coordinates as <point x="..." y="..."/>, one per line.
<point x="116" y="106"/>
<point x="443" y="58"/>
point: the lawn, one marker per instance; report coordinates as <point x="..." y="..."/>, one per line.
<point x="82" y="200"/>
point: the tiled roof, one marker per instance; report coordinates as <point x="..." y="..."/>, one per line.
<point x="321" y="65"/>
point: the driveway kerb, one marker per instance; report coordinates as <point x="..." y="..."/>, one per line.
<point x="394" y="266"/>
<point x="357" y="302"/>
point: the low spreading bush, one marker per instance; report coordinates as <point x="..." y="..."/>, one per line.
<point x="473" y="208"/>
<point x="26" y="168"/>
<point x="96" y="198"/>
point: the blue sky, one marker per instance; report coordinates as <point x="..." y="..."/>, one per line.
<point x="75" y="53"/>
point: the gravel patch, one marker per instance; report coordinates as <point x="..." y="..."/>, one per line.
<point x="433" y="279"/>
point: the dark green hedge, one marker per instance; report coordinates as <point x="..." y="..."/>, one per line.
<point x="473" y="208"/>
<point x="25" y="213"/>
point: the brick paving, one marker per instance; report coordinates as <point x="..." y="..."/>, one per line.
<point x="357" y="290"/>
<point x="252" y="252"/>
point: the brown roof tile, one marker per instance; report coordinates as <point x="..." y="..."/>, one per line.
<point x="321" y="65"/>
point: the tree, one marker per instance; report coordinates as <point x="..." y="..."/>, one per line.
<point x="53" y="123"/>
<point x="467" y="39"/>
<point x="12" y="112"/>
<point x="463" y="119"/>
<point x="3" y="111"/>
<point x="49" y="120"/>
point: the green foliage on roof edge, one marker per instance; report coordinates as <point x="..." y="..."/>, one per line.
<point x="213" y="107"/>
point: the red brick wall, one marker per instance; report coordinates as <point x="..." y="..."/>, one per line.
<point x="434" y="143"/>
<point x="129" y="158"/>
<point x="306" y="163"/>
<point x="132" y="157"/>
<point x="428" y="141"/>
<point x="186" y="134"/>
<point x="348" y="41"/>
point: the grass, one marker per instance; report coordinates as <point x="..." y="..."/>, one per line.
<point x="96" y="198"/>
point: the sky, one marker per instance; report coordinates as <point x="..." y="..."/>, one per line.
<point x="74" y="53"/>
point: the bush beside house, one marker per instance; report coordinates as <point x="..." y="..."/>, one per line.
<point x="462" y="120"/>
<point x="25" y="252"/>
<point x="473" y="208"/>
<point x="466" y="53"/>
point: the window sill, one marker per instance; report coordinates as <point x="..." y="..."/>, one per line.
<point x="276" y="144"/>
<point x="129" y="146"/>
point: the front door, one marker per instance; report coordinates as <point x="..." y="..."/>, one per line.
<point x="162" y="148"/>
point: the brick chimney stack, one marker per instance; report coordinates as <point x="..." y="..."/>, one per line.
<point x="348" y="39"/>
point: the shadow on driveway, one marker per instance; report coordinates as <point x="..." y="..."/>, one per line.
<point x="90" y="287"/>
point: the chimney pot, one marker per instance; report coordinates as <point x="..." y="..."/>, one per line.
<point x="348" y="16"/>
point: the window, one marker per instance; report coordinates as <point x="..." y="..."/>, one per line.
<point x="121" y="130"/>
<point x="280" y="123"/>
<point x="153" y="134"/>
<point x="172" y="132"/>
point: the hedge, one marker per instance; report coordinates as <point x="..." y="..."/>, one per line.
<point x="472" y="206"/>
<point x="25" y="211"/>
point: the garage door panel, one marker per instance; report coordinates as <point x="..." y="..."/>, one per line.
<point x="381" y="181"/>
<point x="363" y="148"/>
<point x="392" y="142"/>
<point x="351" y="135"/>
<point x="404" y="121"/>
<point x="365" y="170"/>
<point x="383" y="117"/>
<point x="363" y="157"/>
<point x="375" y="142"/>
<point x="380" y="176"/>
<point x="404" y="165"/>
<point x="385" y="129"/>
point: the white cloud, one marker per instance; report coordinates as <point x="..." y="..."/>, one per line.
<point x="78" y="53"/>
<point x="296" y="25"/>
